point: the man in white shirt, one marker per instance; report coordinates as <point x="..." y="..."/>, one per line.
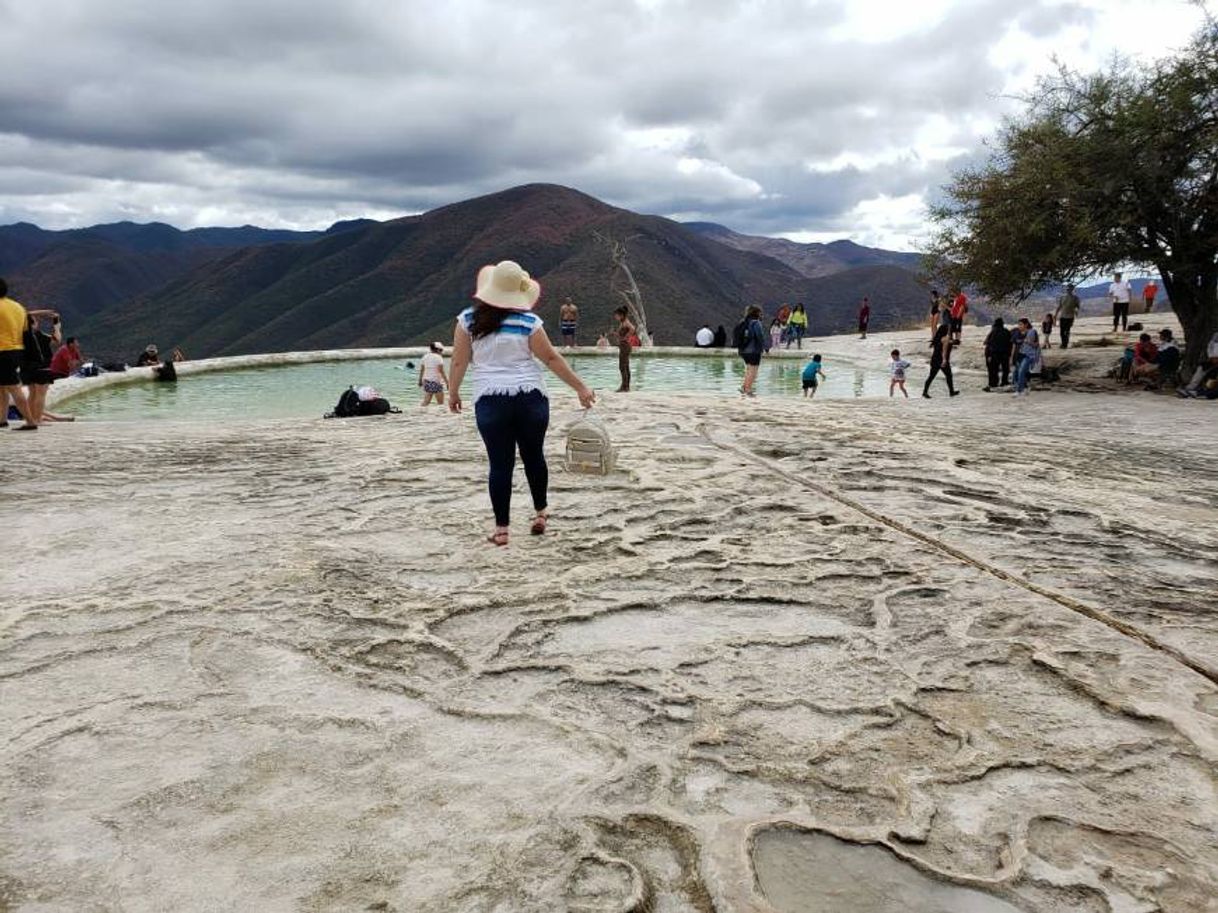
<point x="1119" y="293"/>
<point x="704" y="337"/>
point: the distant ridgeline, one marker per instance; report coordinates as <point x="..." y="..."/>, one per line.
<point x="228" y="291"/>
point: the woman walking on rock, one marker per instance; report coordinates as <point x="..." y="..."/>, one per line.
<point x="504" y="340"/>
<point x="941" y="360"/>
<point x="750" y="344"/>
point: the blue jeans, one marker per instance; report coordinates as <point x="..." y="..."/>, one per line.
<point x="1022" y="370"/>
<point x="507" y="423"/>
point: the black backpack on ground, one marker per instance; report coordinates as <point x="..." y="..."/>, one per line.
<point x="378" y="406"/>
<point x="350" y="405"/>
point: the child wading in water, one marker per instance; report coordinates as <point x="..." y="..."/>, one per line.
<point x="897" y="366"/>
<point x="431" y="375"/>
<point x="810" y="377"/>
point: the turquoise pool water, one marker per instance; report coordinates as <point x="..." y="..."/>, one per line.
<point x="308" y="391"/>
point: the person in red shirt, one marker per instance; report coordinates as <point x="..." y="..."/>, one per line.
<point x="67" y="358"/>
<point x="864" y="317"/>
<point x="1149" y="291"/>
<point x="959" y="309"/>
<point x="1144" y="353"/>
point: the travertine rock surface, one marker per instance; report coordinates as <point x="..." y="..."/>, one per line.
<point x="276" y="668"/>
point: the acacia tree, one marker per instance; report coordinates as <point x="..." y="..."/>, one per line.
<point x="631" y="296"/>
<point x="1102" y="171"/>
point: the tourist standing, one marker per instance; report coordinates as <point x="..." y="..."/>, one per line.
<point x="720" y="340"/>
<point x="431" y="375"/>
<point x="997" y="355"/>
<point x="941" y="360"/>
<point x="1067" y="310"/>
<point x="1029" y="356"/>
<point x="568" y="320"/>
<point x="704" y="337"/>
<point x="37" y="347"/>
<point x="503" y="340"/>
<point x="1046" y="332"/>
<point x="1149" y="291"/>
<point x="13" y="321"/>
<point x="864" y="317"/>
<point x="750" y="343"/>
<point x="958" y="310"/>
<point x="776" y="330"/>
<point x="897" y="368"/>
<point x="798" y="323"/>
<point x="1119" y="293"/>
<point x="625" y="335"/>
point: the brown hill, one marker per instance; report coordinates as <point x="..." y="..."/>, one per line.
<point x="812" y="260"/>
<point x="404" y="281"/>
<point x="82" y="272"/>
<point x="83" y="277"/>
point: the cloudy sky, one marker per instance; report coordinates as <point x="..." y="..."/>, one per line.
<point x="812" y="119"/>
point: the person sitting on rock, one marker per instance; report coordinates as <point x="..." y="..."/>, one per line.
<point x="1166" y="360"/>
<point x="1208" y="369"/>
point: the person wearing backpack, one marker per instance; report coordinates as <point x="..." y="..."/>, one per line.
<point x="750" y="339"/>
<point x="504" y="341"/>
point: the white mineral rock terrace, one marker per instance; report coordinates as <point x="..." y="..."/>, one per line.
<point x="830" y="656"/>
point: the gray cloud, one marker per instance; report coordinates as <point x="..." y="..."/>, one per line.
<point x="231" y="110"/>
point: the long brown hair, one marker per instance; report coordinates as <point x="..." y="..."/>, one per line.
<point x="487" y="320"/>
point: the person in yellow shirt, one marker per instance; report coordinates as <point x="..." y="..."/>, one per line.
<point x="798" y="324"/>
<point x="13" y="321"/>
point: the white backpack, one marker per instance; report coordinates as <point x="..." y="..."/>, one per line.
<point x="589" y="449"/>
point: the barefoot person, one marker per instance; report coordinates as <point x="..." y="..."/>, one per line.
<point x="36" y="362"/>
<point x="568" y="322"/>
<point x="13" y="321"/>
<point x="504" y="340"/>
<point x="625" y="332"/>
<point x="750" y="338"/>
<point x="813" y="374"/>
<point x="864" y="317"/>
<point x="897" y="368"/>
<point x="431" y="375"/>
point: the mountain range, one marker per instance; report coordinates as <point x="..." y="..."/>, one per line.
<point x="225" y="291"/>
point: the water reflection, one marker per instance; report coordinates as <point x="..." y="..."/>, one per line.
<point x="305" y="391"/>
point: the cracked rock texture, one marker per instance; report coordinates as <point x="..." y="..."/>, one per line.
<point x="275" y="668"/>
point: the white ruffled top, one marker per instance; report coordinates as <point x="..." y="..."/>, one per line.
<point x="503" y="362"/>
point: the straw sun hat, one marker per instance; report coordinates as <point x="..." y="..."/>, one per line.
<point x="505" y="285"/>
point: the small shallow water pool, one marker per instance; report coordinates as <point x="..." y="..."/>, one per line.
<point x="309" y="390"/>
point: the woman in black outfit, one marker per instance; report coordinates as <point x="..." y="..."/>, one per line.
<point x="940" y="360"/>
<point x="36" y="363"/>
<point x="998" y="355"/>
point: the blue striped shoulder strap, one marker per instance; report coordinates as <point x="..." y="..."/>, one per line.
<point x="523" y="323"/>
